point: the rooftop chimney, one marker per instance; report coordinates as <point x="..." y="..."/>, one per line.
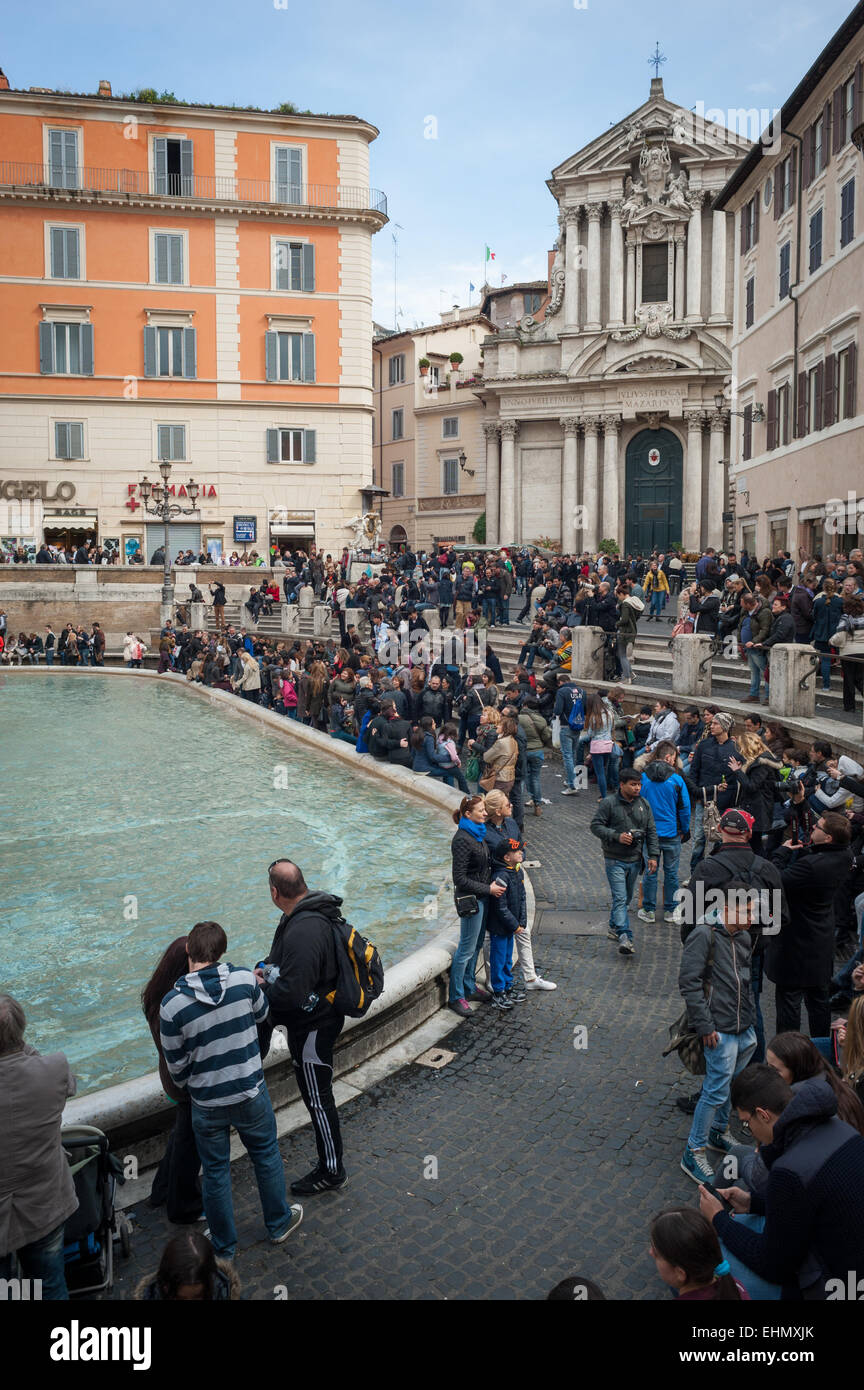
<point x="104" y="88"/>
<point x="4" y="81"/>
<point x="656" y="87"/>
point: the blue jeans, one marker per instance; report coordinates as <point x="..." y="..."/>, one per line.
<point x="489" y="606"/>
<point x="670" y="850"/>
<point x="599" y="762"/>
<point x="256" y="1124"/>
<point x="568" y="747"/>
<point x="697" y="852"/>
<point x="500" y="962"/>
<point x="658" y="602"/>
<point x="758" y="1288"/>
<point x="613" y="778"/>
<point x="466" y="953"/>
<point x="623" y="878"/>
<point x="722" y="1062"/>
<point x="49" y="657"/>
<point x="533" y="764"/>
<point x="42" y="1259"/>
<point x="824" y="664"/>
<point x="757" y="661"/>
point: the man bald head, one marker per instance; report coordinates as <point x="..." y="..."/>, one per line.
<point x="287" y="884"/>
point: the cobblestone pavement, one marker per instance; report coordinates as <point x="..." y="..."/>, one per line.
<point x="550" y="1160"/>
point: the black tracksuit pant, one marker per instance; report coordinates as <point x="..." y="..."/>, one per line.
<point x="312" y="1055"/>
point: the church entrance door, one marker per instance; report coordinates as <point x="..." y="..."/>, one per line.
<point x="653" y="488"/>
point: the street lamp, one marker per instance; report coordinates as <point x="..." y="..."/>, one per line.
<point x="858" y="138"/>
<point x="463" y="459"/>
<point x="155" y="499"/>
<point x="757" y="414"/>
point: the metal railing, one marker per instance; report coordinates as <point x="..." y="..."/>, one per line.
<point x="140" y="183"/>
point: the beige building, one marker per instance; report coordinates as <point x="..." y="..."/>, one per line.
<point x="429" y="446"/>
<point x="799" y="301"/>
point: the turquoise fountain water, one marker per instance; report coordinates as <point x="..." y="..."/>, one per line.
<point x="131" y="811"/>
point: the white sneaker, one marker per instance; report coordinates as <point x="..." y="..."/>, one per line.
<point x="569" y="791"/>
<point x="668" y="916"/>
<point x="645" y="916"/>
<point x="539" y="983"/>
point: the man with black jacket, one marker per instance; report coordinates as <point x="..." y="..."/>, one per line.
<point x="298" y="973"/>
<point x="708" y="768"/>
<point x="800" y="960"/>
<point x="434" y="701"/>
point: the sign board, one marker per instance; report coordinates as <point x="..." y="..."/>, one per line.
<point x="245" y="528"/>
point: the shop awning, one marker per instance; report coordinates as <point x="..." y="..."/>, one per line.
<point x="292" y="528"/>
<point x="70" y="523"/>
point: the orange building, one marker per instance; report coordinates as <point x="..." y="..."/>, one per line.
<point x="184" y="283"/>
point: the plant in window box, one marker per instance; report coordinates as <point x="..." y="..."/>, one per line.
<point x="456" y="359"/>
<point x="424" y="364"/>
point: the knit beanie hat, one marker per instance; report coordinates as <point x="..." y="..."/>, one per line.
<point x="725" y="721"/>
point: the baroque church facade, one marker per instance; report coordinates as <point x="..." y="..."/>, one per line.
<point x="601" y="418"/>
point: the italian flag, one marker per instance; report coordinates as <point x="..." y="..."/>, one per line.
<point x="490" y="255"/>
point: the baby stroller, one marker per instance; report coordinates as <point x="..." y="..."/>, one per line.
<point x="90" y="1232"/>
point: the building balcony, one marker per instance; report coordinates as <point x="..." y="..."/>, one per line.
<point x="133" y="185"/>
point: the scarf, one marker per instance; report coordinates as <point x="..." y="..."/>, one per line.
<point x="474" y="828"/>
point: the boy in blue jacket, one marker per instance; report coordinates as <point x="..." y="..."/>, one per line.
<point x="506" y="915"/>
<point x="666" y="793"/>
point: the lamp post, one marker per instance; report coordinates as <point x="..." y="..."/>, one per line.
<point x="161" y="507"/>
<point x="757" y="414"/>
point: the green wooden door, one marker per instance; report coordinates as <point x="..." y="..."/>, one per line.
<point x="653" y="485"/>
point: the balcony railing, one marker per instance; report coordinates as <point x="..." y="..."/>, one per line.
<point x="206" y="188"/>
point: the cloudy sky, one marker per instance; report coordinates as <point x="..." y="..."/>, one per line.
<point x="476" y="102"/>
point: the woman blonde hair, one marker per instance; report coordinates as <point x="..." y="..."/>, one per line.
<point x="853" y="1044"/>
<point x="496" y="802"/>
<point x="490" y="715"/>
<point x="751" y="745"/>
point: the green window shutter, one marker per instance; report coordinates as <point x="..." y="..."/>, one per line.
<point x="160" y="164"/>
<point x="271" y="353"/>
<point x="296" y="343"/>
<point x="72" y="258"/>
<point x="308" y="446"/>
<point x="295" y="176"/>
<point x="296" y="267"/>
<point x="282" y="174"/>
<point x="163" y="447"/>
<point x="189" y="353"/>
<point x="308" y="356"/>
<point x="58" y="253"/>
<point x="162" y="268"/>
<point x="86" y="348"/>
<point x="61" y="441"/>
<point x="308" y="267"/>
<point x="175" y="260"/>
<point x="283" y="265"/>
<point x="150" y="365"/>
<point x="76" y="440"/>
<point x="186" y="168"/>
<point x="272" y="446"/>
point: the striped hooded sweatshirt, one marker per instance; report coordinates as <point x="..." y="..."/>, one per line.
<point x="207" y="1026"/>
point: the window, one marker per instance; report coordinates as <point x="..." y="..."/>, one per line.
<point x="66" y="349"/>
<point x="815" y="381"/>
<point x="172" y="166"/>
<point x="451" y="477"/>
<point x="784" y="192"/>
<point x="169" y="352"/>
<point x="847" y="212"/>
<point x="784" y="414"/>
<point x="168" y="258"/>
<point x="433" y="380"/>
<point x="748" y="539"/>
<point x="845" y="113"/>
<point x="290" y="356"/>
<point x="63" y="158"/>
<point x="785" y="263"/>
<point x="845" y="374"/>
<point x="531" y="302"/>
<point x="655" y="269"/>
<point x="816" y="241"/>
<point x="65" y="253"/>
<point x="749" y="302"/>
<point x="69" y="439"/>
<point x="290" y="446"/>
<point x="288" y="173"/>
<point x="397" y="424"/>
<point x="171" y="443"/>
<point x="450" y="427"/>
<point x="398" y="487"/>
<point x="777" y="528"/>
<point x="750" y="224"/>
<point x="817" y="146"/>
<point x="396" y="369"/>
<point x="747" y="439"/>
<point x="295" y="265"/>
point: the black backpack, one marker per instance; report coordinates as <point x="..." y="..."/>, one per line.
<point x="360" y="972"/>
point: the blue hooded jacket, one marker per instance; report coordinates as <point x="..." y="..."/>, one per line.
<point x="666" y="794"/>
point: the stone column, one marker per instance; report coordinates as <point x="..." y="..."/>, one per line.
<point x="716" y="480"/>
<point x="679" y="276"/>
<point x="197" y="617"/>
<point x="718" y="268"/>
<point x="694" y="261"/>
<point x="290" y="614"/>
<point x="572" y="267"/>
<point x="590" y="489"/>
<point x="595" y="213"/>
<point x="611" y="489"/>
<point x="322" y="620"/>
<point x="587" y="662"/>
<point x="570" y="426"/>
<point x="688" y="653"/>
<point x="691" y="512"/>
<point x="616" y="266"/>
<point x="493" y="481"/>
<point x="789" y="664"/>
<point x="631" y="282"/>
<point x="507" y="522"/>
